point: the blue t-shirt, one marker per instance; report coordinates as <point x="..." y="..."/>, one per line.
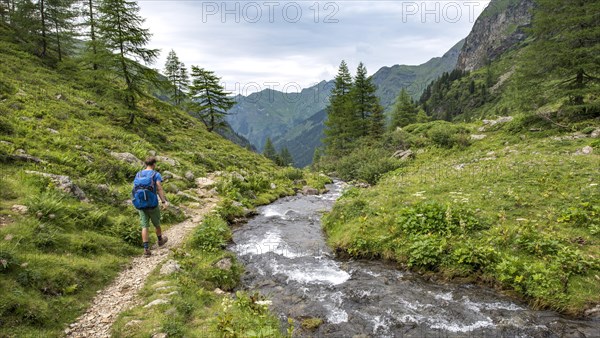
<point x="157" y="177"/>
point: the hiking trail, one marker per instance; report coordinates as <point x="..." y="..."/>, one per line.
<point x="121" y="294"/>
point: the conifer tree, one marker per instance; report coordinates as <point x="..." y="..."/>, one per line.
<point x="61" y="16"/>
<point x="422" y="116"/>
<point x="92" y="46"/>
<point x="364" y="102"/>
<point x="565" y="50"/>
<point x="404" y="111"/>
<point x="120" y="28"/>
<point x="340" y="115"/>
<point x="210" y="101"/>
<point x="377" y="121"/>
<point x="176" y="73"/>
<point x="269" y="150"/>
<point x="285" y="158"/>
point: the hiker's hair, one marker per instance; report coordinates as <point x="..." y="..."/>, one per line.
<point x="150" y="161"/>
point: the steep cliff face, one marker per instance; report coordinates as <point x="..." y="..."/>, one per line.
<point x="498" y="28"/>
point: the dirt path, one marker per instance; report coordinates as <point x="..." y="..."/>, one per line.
<point x="121" y="294"/>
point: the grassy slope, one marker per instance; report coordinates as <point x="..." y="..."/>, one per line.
<point x="58" y="254"/>
<point x="522" y="214"/>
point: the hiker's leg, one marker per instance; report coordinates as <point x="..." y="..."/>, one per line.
<point x="145" y="223"/>
<point x="155" y="217"/>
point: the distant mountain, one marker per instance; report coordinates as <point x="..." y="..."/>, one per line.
<point x="296" y="120"/>
<point x="271" y="113"/>
<point x="390" y="80"/>
<point x="303" y="139"/>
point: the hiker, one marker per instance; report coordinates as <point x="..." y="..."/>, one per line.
<point x="147" y="187"/>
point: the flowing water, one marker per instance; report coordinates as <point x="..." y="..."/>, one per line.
<point x="287" y="259"/>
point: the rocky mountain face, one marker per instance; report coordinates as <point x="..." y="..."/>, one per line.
<point x="498" y="28"/>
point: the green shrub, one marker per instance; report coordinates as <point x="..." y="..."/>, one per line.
<point x="476" y="257"/>
<point x="212" y="235"/>
<point x="448" y="136"/>
<point x="366" y="164"/>
<point x="127" y="230"/>
<point x="432" y="217"/>
<point x="426" y="251"/>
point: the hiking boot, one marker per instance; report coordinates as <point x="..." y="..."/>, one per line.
<point x="147" y="253"/>
<point x="162" y="241"/>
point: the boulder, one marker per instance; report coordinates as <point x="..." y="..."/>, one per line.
<point x="585" y="151"/>
<point x="157" y="302"/>
<point x="52" y="131"/>
<point x="404" y="154"/>
<point x="20" y="209"/>
<point x="170" y="267"/>
<point x="167" y="160"/>
<point x="224" y="263"/>
<point x="189" y="176"/>
<point x="63" y="183"/>
<point x="595" y="133"/>
<point x="299" y="182"/>
<point x="127" y="158"/>
<point x="362" y="185"/>
<point x="502" y="119"/>
<point x="238" y="176"/>
<point x="21" y="155"/>
<point x="167" y="174"/>
<point x="306" y="190"/>
<point x="152" y="153"/>
<point x="478" y="137"/>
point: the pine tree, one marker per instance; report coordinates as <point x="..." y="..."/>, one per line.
<point x="564" y="58"/>
<point x="269" y="150"/>
<point x="364" y="102"/>
<point x="120" y="28"/>
<point x="210" y="101"/>
<point x="285" y="158"/>
<point x="404" y="111"/>
<point x="340" y="115"/>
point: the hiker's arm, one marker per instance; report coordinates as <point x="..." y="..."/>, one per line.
<point x="161" y="192"/>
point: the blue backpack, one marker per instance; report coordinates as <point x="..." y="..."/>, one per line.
<point x="144" y="190"/>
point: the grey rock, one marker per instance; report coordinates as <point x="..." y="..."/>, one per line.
<point x="502" y="119"/>
<point x="219" y="291"/>
<point x="189" y="176"/>
<point x="224" y="264"/>
<point x="595" y="133"/>
<point x="404" y="154"/>
<point x="52" y="131"/>
<point x="170" y="267"/>
<point x="127" y="158"/>
<point x="168" y="174"/>
<point x="60" y="97"/>
<point x="238" y="176"/>
<point x="159" y="335"/>
<point x="478" y="137"/>
<point x="167" y="160"/>
<point x="20" y="209"/>
<point x="300" y="182"/>
<point x="157" y="302"/>
<point x="273" y="186"/>
<point x="362" y="185"/>
<point x="152" y="153"/>
<point x="306" y="190"/>
<point x="63" y="183"/>
<point x="103" y="188"/>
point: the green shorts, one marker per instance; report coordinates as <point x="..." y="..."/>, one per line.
<point x="150" y="215"/>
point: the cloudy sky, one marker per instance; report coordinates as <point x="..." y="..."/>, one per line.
<point x="286" y="45"/>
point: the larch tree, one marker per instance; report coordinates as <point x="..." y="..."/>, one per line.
<point x="176" y="73"/>
<point x="93" y="47"/>
<point x="120" y="28"/>
<point x="210" y="102"/>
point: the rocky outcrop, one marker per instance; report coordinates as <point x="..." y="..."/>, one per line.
<point x="127" y="158"/>
<point x="498" y="29"/>
<point x="63" y="183"/>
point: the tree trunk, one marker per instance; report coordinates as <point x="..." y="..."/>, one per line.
<point x="43" y="18"/>
<point x="58" y="41"/>
<point x="93" y="34"/>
